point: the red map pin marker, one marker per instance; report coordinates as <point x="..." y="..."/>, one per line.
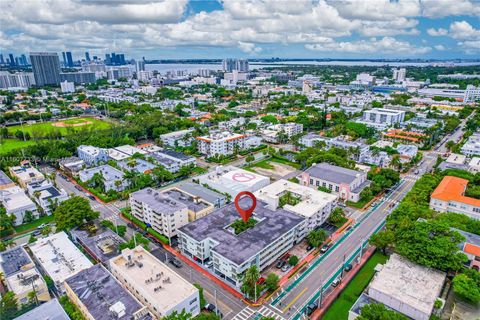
<point x="245" y="213"/>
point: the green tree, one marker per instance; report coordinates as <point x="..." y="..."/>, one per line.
<point x="467" y="286"/>
<point x="74" y="212"/>
<point x="6" y="223"/>
<point x="271" y="282"/>
<point x="378" y="311"/>
<point x="383" y="240"/>
<point x="250" y="158"/>
<point x="207" y="316"/>
<point x="203" y="302"/>
<point x="8" y="306"/>
<point x="337" y="215"/>
<point x="249" y="282"/>
<point x="450" y="144"/>
<point x="316" y="237"/>
<point x="32" y="239"/>
<point x="178" y="316"/>
<point x="431" y="244"/>
<point x="293" y="260"/>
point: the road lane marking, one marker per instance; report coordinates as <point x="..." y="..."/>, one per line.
<point x="295" y="299"/>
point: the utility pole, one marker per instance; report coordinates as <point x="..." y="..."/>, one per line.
<point x="320" y="299"/>
<point x="216" y="306"/>
<point x="343" y="266"/>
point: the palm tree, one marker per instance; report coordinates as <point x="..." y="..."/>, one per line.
<point x="250" y="280"/>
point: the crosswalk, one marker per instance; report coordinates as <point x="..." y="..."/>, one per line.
<point x="253" y="314"/>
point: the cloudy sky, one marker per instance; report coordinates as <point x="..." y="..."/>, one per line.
<point x="245" y="28"/>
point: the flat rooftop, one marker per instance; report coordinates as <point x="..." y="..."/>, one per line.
<point x="51" y="310"/>
<point x="4" y="179"/>
<point x="101" y="294"/>
<point x="193" y="203"/>
<point x="15" y="260"/>
<point x="177" y="155"/>
<point x="409" y="283"/>
<point x="333" y="173"/>
<point x="143" y="270"/>
<point x="311" y="200"/>
<point x="104" y="244"/>
<point x="160" y="201"/>
<point x="271" y="224"/>
<point x="22" y="281"/>
<point x="59" y="257"/>
<point x="198" y="190"/>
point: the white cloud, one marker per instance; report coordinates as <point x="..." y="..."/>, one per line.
<point x="464" y="31"/>
<point x="444" y="8"/>
<point x="437" y="32"/>
<point x="248" y="47"/>
<point x="440" y="47"/>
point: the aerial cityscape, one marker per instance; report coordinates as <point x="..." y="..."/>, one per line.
<point x="240" y="160"/>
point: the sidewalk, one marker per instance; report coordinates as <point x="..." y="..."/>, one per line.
<point x="327" y="301"/>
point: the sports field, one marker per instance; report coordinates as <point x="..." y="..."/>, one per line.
<point x="7" y="145"/>
<point x="62" y="126"/>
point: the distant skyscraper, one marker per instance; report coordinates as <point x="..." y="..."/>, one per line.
<point x="23" y="60"/>
<point x="69" y="59"/>
<point x="87" y="56"/>
<point x="140" y="65"/>
<point x="12" y="59"/>
<point x="228" y="65"/>
<point x="46" y="68"/>
<point x="1" y="59"/>
<point x="400" y="74"/>
<point x="241" y="65"/>
<point x="64" y="59"/>
<point x="108" y="59"/>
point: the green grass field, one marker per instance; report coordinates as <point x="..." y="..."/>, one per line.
<point x="7" y="145"/>
<point x="339" y="309"/>
<point x="45" y="127"/>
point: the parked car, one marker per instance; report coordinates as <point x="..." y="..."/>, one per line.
<point x="78" y="188"/>
<point x="311" y="308"/>
<point x="310" y="247"/>
<point x="348" y="267"/>
<point x="36" y="233"/>
<point x="176" y="262"/>
<point x="280" y="264"/>
<point x="336" y="282"/>
<point x="43" y="225"/>
<point x="131" y="225"/>
<point x="285" y="267"/>
<point x="325" y="248"/>
<point x="210" y="307"/>
<point x="91" y="197"/>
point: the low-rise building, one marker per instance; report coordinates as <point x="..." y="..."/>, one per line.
<point x="59" y="258"/>
<point x="5" y="181"/>
<point x="177" y="138"/>
<point x="449" y="196"/>
<point x="232" y="180"/>
<point x="472" y="146"/>
<point x="211" y="240"/>
<point x="92" y="155"/>
<point x="471" y="248"/>
<point x="137" y="165"/>
<point x="52" y="310"/>
<point x="21" y="276"/>
<point x="313" y="205"/>
<point x="47" y="195"/>
<point x="182" y="159"/>
<point x="26" y="174"/>
<point x="99" y="296"/>
<point x="220" y="143"/>
<point x="197" y="207"/>
<point x="163" y="213"/>
<point x="474" y="165"/>
<point x="72" y="165"/>
<point x="405" y="287"/>
<point x="361" y="149"/>
<point x="101" y="246"/>
<point x="113" y="179"/>
<point x="17" y="203"/>
<point x="382" y="118"/>
<point x="347" y="183"/>
<point x="407" y="152"/>
<point x="196" y="190"/>
<point x="154" y="284"/>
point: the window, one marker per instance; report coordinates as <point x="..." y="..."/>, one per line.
<point x="193" y="301"/>
<point x="477" y="210"/>
<point x="317" y="183"/>
<point x="337" y="188"/>
<point x="311" y="181"/>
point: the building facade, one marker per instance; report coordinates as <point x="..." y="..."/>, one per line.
<point x="46" y="68"/>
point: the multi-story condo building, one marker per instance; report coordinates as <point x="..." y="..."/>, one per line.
<point x="212" y="241"/>
<point x="78" y="77"/>
<point x="176" y="138"/>
<point x="449" y="196"/>
<point x="59" y="258"/>
<point x="347" y="183"/>
<point x="197" y="207"/>
<point x="19" y="79"/>
<point x="472" y="146"/>
<point x="154" y="284"/>
<point x="26" y="174"/>
<point x="221" y="143"/>
<point x="163" y="213"/>
<point x="92" y="155"/>
<point x="113" y="179"/>
<point x="21" y="276"/>
<point x="99" y="296"/>
<point x="46" y="68"/>
<point x="315" y="206"/>
<point x="472" y="94"/>
<point x="16" y="203"/>
<point x="46" y="195"/>
<point x="382" y="118"/>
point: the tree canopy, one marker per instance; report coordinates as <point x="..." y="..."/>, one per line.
<point x="74" y="212"/>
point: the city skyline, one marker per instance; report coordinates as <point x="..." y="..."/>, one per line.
<point x="258" y="29"/>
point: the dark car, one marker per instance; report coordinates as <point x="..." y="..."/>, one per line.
<point x="280" y="264"/>
<point x="92" y="198"/>
<point x="310" y="247"/>
<point x="36" y="233"/>
<point x="78" y="188"/>
<point x="210" y="307"/>
<point x="176" y="262"/>
<point x="311" y="308"/>
<point x="325" y="248"/>
<point x="131" y="225"/>
<point x="348" y="267"/>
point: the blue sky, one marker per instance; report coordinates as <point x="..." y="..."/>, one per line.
<point x="168" y="29"/>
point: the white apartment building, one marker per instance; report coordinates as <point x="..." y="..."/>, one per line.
<point x="220" y="143"/>
<point x="46" y="194"/>
<point x="449" y="196"/>
<point x="212" y="241"/>
<point x="163" y="213"/>
<point x="176" y="138"/>
<point x="472" y="94"/>
<point x="399" y="74"/>
<point x="59" y="258"/>
<point x="113" y="179"/>
<point x="472" y="146"/>
<point x="313" y="205"/>
<point x="92" y="155"/>
<point x="290" y="129"/>
<point x="347" y="183"/>
<point x="26" y="174"/>
<point x="154" y="284"/>
<point x="16" y="202"/>
<point x="382" y="118"/>
<point x="67" y="87"/>
<point x="16" y="80"/>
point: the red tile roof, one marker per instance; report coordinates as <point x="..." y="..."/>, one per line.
<point x="453" y="189"/>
